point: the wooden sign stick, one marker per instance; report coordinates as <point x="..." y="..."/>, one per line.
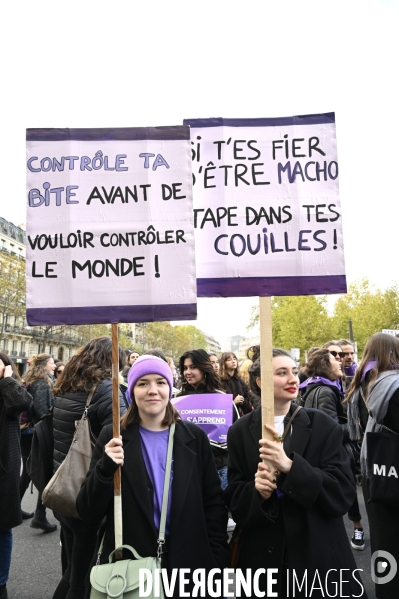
<point x="115" y="434"/>
<point x="266" y="364"/>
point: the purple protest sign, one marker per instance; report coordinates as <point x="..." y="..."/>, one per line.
<point x="213" y="412"/>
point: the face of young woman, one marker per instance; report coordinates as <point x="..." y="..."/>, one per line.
<point x="231" y="363"/>
<point x="50" y="366"/>
<point x="215" y="363"/>
<point x="59" y="370"/>
<point x="133" y="357"/>
<point x="285" y="377"/>
<point x="151" y="393"/>
<point x="336" y="366"/>
<point x="193" y="375"/>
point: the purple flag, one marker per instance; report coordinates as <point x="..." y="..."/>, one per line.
<point x="213" y="412"/>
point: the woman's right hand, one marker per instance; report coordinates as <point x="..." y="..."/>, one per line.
<point x="114" y="449"/>
<point x="5" y="371"/>
<point x="239" y="399"/>
<point x="265" y="481"/>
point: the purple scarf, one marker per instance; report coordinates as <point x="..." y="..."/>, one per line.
<point x="350" y="370"/>
<point x="323" y="381"/>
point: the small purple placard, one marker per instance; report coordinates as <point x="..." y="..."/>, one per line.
<point x="213" y="412"/>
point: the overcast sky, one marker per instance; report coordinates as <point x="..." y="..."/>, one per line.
<point x="102" y="64"/>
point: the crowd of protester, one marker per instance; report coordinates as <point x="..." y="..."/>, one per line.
<point x="287" y="496"/>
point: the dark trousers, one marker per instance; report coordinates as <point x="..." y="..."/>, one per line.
<point x="79" y="541"/>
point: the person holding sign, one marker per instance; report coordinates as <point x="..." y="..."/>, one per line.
<point x="199" y="377"/>
<point x="288" y="495"/>
<point x="196" y="516"/>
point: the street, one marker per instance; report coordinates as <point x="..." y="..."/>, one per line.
<point x="36" y="562"/>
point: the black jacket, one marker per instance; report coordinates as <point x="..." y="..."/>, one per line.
<point x="42" y="397"/>
<point x="14" y="399"/>
<point x="237" y="386"/>
<point x="197" y="537"/>
<point x="304" y="530"/>
<point x="69" y="407"/>
<point x="327" y="399"/>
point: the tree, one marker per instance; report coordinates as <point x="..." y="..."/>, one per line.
<point x="298" y="321"/>
<point x="369" y="309"/>
<point x="197" y="338"/>
<point x="12" y="291"/>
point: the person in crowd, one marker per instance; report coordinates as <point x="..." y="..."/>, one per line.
<point x="322" y="390"/>
<point x="253" y="352"/>
<point x="89" y="368"/>
<point x="288" y="495"/>
<point x="302" y="373"/>
<point x="14" y="399"/>
<point x="199" y="377"/>
<point x="39" y="381"/>
<point x="175" y="376"/>
<point x="373" y="406"/>
<point x="133" y="357"/>
<point x="215" y="363"/>
<point x="233" y="383"/>
<point x="59" y="367"/>
<point x="196" y="517"/>
<point x="244" y="374"/>
<point x="349" y="357"/>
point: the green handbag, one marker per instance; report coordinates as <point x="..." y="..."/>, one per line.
<point x="120" y="579"/>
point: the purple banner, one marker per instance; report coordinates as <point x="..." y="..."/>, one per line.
<point x="213" y="412"/>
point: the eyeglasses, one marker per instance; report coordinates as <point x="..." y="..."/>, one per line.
<point x="58" y="371"/>
<point x="337" y="353"/>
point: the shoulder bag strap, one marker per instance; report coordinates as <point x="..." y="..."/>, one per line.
<point x="90" y="396"/>
<point x="365" y="403"/>
<point x="166" y="486"/>
<point x="287" y="428"/>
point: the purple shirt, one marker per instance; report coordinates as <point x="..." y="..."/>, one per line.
<point x="154" y="445"/>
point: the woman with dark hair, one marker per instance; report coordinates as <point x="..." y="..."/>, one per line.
<point x="195" y="502"/>
<point x="233" y="383"/>
<point x="288" y="495"/>
<point x="323" y="390"/>
<point x="39" y="381"/>
<point x="199" y="377"/>
<point x="59" y="367"/>
<point x="14" y="399"/>
<point x="373" y="406"/>
<point x="90" y="368"/>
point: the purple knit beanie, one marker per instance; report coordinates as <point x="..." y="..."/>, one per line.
<point x="148" y="365"/>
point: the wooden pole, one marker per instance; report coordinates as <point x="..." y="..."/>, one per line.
<point x="116" y="433"/>
<point x="266" y="357"/>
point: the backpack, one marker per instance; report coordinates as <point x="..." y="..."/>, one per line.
<point x="40" y="461"/>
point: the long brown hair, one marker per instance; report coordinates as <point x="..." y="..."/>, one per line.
<point x="90" y="365"/>
<point x="223" y="371"/>
<point x="319" y="364"/>
<point x="132" y="416"/>
<point x="382" y="348"/>
<point x="37" y="370"/>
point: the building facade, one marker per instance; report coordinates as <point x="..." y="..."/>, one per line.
<point x="17" y="338"/>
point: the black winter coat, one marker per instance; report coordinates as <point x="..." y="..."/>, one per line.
<point x="14" y="399"/>
<point x="42" y="397"/>
<point x="237" y="386"/>
<point x="304" y="530"/>
<point x="327" y="399"/>
<point x="69" y="407"/>
<point x="198" y="537"/>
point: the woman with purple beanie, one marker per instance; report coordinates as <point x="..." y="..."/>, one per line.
<point x="196" y="516"/>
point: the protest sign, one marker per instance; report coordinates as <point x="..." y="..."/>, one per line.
<point x="213" y="412"/>
<point x="267" y="214"/>
<point x="109" y="226"/>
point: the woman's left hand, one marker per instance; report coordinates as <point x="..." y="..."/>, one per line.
<point x="273" y="452"/>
